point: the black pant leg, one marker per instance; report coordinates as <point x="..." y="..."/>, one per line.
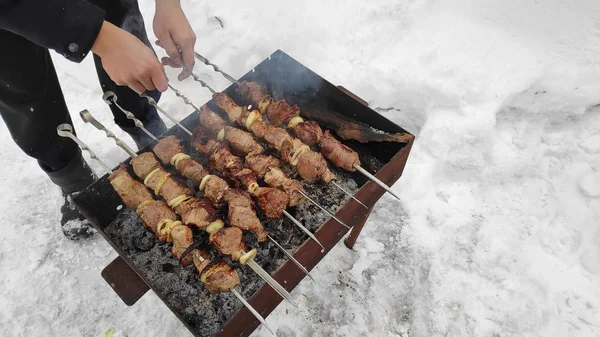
<point x="126" y="14"/>
<point x="32" y="103"/>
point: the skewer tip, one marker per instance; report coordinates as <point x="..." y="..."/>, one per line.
<point x="376" y="180"/>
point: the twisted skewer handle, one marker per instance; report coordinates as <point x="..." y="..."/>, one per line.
<point x="216" y="68"/>
<point x="184" y="97"/>
<point x="202" y="83"/>
<point x="111" y="98"/>
<point x="88" y="118"/>
<point x="66" y="130"/>
<point x="152" y="102"/>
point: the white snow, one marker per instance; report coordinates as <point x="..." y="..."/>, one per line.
<point x="497" y="233"/>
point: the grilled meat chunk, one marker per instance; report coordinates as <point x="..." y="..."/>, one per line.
<point x="227" y="104"/>
<point x="166" y="148"/>
<point x="339" y="154"/>
<point x="211" y="120"/>
<point x="276" y="178"/>
<point x="220" y="278"/>
<point x="192" y="170"/>
<point x="308" y="132"/>
<point x="153" y="213"/>
<point x="241" y="213"/>
<point x="221" y="158"/>
<point x="312" y="167"/>
<point x="201" y="259"/>
<point x="346" y="127"/>
<point x="241" y="142"/>
<point x="202" y="142"/>
<point x="196" y="212"/>
<point x="276" y="138"/>
<point x="271" y="201"/>
<point x="242" y="178"/>
<point x="167" y="186"/>
<point x="232" y="167"/>
<point x="215" y="189"/>
<point x="182" y="238"/>
<point x="228" y="241"/>
<point x="280" y="113"/>
<point x="144" y="164"/>
<point x="260" y="163"/>
<point x="131" y="191"/>
<point x="254" y="92"/>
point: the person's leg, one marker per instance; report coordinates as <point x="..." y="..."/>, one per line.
<point x="32" y="106"/>
<point x="126" y="14"/>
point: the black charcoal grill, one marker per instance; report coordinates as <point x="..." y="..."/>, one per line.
<point x="145" y="264"/>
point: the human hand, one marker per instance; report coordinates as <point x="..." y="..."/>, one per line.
<point x="128" y="61"/>
<point x="175" y="35"/>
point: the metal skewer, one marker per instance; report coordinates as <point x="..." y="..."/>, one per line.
<point x="288" y="215"/>
<point x="152" y="102"/>
<point x="202" y="83"/>
<point x="271" y="281"/>
<point x="291" y="257"/>
<point x="88" y="118"/>
<point x="377" y="181"/>
<point x="357" y="167"/>
<point x="110" y="98"/>
<point x="348" y="193"/>
<point x="216" y="68"/>
<point x="186" y="100"/>
<point x="66" y="130"/>
<point x="252" y="310"/>
<point x="325" y="210"/>
<point x="303" y="228"/>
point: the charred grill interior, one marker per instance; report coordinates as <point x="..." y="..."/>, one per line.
<point x="180" y="288"/>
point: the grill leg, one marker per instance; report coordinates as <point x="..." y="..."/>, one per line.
<point x="351" y="239"/>
<point x="124" y="281"/>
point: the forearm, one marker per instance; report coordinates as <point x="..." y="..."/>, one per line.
<point x="69" y="27"/>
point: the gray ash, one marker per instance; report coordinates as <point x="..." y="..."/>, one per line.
<point x="181" y="288"/>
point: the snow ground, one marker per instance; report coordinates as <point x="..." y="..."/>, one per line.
<point x="497" y="233"/>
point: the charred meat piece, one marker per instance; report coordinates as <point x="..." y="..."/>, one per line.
<point x="221" y="158"/>
<point x="280" y="113"/>
<point x="215" y="190"/>
<point x="201" y="259"/>
<point x="254" y="92"/>
<point x="241" y="213"/>
<point x="312" y="166"/>
<point x="271" y="201"/>
<point x="168" y="187"/>
<point x="196" y="212"/>
<point x="166" y="148"/>
<point x="260" y="163"/>
<point x="211" y="120"/>
<point x="131" y="191"/>
<point x="244" y="177"/>
<point x="241" y="142"/>
<point x="144" y="164"/>
<point x="192" y="170"/>
<point x="220" y="278"/>
<point x="182" y="239"/>
<point x="202" y="141"/>
<point x="153" y="213"/>
<point x="309" y="132"/>
<point x="228" y="241"/>
<point x="276" y="178"/>
<point x="227" y="104"/>
<point x="339" y="154"/>
<point x="347" y="128"/>
<point x="276" y="138"/>
<point x="232" y="167"/>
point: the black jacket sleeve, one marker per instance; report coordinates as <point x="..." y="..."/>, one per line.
<point x="69" y="27"/>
